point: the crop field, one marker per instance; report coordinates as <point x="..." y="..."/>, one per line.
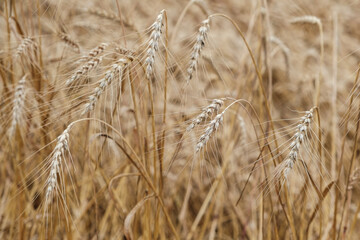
<point x="190" y="119"/>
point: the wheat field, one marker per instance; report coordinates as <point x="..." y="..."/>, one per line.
<point x="192" y="119"/>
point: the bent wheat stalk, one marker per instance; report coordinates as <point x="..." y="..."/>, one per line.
<point x="315" y="21"/>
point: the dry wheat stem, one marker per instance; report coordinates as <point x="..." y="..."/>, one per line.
<point x="258" y="73"/>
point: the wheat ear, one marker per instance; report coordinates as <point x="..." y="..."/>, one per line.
<point x="94" y="52"/>
<point x="213" y="126"/>
<point x="153" y="45"/>
<point x="90" y="65"/>
<point x="56" y="161"/>
<point x="101" y="13"/>
<point x="104" y="14"/>
<point x="69" y="41"/>
<point x="117" y="69"/>
<point x="199" y="45"/>
<point x="299" y="138"/>
<point x="25" y="45"/>
<point x="281" y="44"/>
<point x="306" y="19"/>
<point x="19" y="102"/>
<point x="207" y="112"/>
